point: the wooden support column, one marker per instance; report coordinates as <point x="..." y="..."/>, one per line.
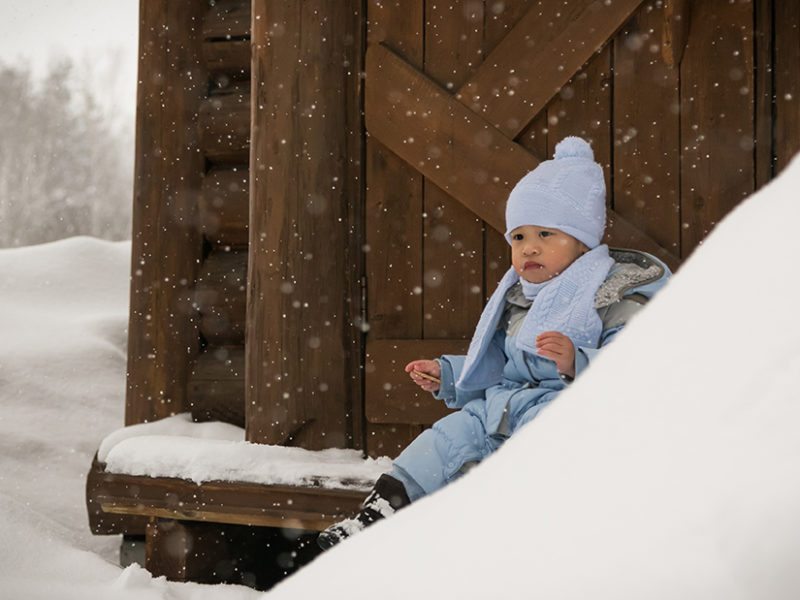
<point x="303" y="344"/>
<point x="167" y="243"/>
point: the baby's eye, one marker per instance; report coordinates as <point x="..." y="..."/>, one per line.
<point x="517" y="236"/>
<point x="544" y="234"/>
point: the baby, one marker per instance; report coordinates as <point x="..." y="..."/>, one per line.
<point x="565" y="296"/>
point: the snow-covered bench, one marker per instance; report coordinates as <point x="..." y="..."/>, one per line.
<point x="190" y="473"/>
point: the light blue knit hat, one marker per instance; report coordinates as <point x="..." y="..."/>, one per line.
<point x="566" y="193"/>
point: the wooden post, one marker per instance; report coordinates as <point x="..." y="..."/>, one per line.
<point x="167" y="244"/>
<point x="787" y="88"/>
<point x="303" y="343"/>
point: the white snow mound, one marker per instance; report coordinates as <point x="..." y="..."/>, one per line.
<point x="668" y="470"/>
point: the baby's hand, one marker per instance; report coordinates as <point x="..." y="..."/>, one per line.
<point x="428" y="367"/>
<point x="559" y="348"/>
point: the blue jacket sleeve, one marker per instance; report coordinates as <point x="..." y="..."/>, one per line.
<point x="584" y="356"/>
<point x="451" y="366"/>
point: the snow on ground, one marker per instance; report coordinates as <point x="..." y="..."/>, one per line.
<point x="668" y="470"/>
<point x="63" y="335"/>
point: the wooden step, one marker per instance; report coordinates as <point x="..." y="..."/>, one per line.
<point x="238" y="503"/>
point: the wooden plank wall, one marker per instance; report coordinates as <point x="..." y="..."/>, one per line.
<point x="787" y="81"/>
<point x="681" y="143"/>
<point x="303" y="344"/>
<point x="394" y="204"/>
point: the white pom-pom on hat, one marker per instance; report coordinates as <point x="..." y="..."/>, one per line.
<point x="573" y="147"/>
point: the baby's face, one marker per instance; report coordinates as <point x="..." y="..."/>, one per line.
<point x="540" y="253"/>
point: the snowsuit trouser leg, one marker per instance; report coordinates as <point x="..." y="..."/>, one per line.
<point x="436" y="456"/>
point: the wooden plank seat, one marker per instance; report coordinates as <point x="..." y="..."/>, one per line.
<point x="140" y="498"/>
<point x="218" y="531"/>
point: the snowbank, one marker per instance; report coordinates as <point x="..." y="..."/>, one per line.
<point x="669" y="470"/>
<point x="63" y="319"/>
<point x="199" y="452"/>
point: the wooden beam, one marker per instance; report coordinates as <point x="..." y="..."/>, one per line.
<point x="458" y="150"/>
<point x="455" y="148"/>
<point x="224" y="123"/>
<point x="303" y="344"/>
<point x="227" y="20"/>
<point x="167" y="244"/>
<point x="220" y="297"/>
<point x="298" y="520"/>
<point x="675" y="32"/>
<point x="237" y="503"/>
<point x="224" y="207"/>
<point x="537" y="57"/>
<point x="216" y="385"/>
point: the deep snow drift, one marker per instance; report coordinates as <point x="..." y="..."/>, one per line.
<point x="668" y="470"/>
<point x="63" y="332"/>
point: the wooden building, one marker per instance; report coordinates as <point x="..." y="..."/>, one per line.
<point x="320" y="189"/>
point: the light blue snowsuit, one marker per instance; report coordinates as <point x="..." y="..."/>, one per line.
<point x="529" y="382"/>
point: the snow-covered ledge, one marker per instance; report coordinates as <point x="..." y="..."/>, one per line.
<point x="201" y="452"/>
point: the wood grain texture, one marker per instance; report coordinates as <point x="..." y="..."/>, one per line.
<point x="449" y="144"/>
<point x="402" y="105"/>
<point x="303" y="348"/>
<point x="716" y="132"/>
<point x="647" y="131"/>
<point x="225" y="207"/>
<point x="394" y="229"/>
<point x="227" y="19"/>
<point x="787" y="82"/>
<point x="216" y="385"/>
<point x="220" y="297"/>
<point x="224" y="122"/>
<point x="224" y="502"/>
<point x="538" y="56"/>
<point x="166" y="242"/>
<point x="453" y="236"/>
<point x="675" y="30"/>
<point x="764" y="40"/>
<point x="229" y="60"/>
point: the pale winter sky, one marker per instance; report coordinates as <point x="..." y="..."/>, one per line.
<point x="101" y="35"/>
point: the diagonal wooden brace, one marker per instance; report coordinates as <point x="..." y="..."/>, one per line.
<point x="456" y="149"/>
<point x="538" y="57"/>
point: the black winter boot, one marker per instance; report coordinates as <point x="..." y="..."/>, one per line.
<point x="387" y="497"/>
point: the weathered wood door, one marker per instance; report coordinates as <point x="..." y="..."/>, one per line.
<point x="463" y="98"/>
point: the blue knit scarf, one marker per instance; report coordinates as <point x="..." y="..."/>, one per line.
<point x="564" y="303"/>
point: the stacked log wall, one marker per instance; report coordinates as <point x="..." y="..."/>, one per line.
<point x="216" y="386"/>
